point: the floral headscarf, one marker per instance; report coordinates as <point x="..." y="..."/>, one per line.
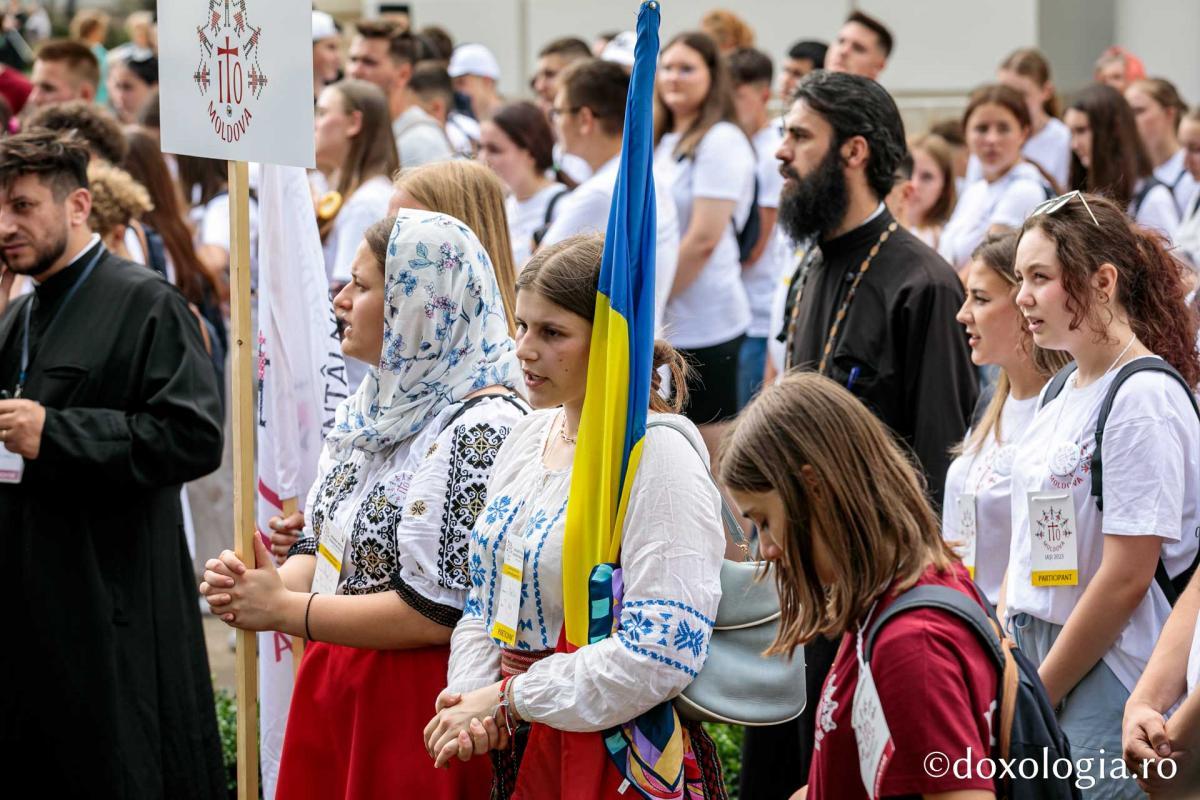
<point x="445" y="335"/>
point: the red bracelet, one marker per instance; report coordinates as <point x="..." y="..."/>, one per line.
<point x="504" y="710"/>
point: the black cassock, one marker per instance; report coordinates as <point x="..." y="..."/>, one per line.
<point x="107" y="690"/>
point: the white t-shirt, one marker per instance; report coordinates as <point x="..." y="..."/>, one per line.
<point x="1050" y="148"/>
<point x="986" y="474"/>
<point x="212" y="227"/>
<point x="1157" y="209"/>
<point x="420" y="138"/>
<point x="761" y="277"/>
<point x="463" y="133"/>
<point x="526" y="216"/>
<point x="790" y="254"/>
<point x="1152" y="483"/>
<point x="1175" y="175"/>
<point x="714" y="308"/>
<point x="1004" y="201"/>
<point x="571" y="165"/>
<point x="586" y="209"/>
<point x="364" y="208"/>
<point x="1193" y="667"/>
<point x="1187" y="235"/>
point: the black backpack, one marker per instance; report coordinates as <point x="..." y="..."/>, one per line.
<point x="1024" y="724"/>
<point x="747" y="236"/>
<point x="1171" y="587"/>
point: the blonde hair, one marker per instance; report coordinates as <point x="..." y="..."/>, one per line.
<point x="470" y="192"/>
<point x="116" y="198"/>
<point x="846" y="484"/>
<point x="998" y="252"/>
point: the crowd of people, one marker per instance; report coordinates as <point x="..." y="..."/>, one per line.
<point x="902" y="354"/>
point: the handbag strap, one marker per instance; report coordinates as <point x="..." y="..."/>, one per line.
<point x="733" y="528"/>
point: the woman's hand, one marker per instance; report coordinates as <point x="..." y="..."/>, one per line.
<point x="250" y="599"/>
<point x="465" y="726"/>
<point x="284" y="533"/>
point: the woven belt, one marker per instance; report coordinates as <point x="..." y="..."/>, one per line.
<point x="518" y="662"/>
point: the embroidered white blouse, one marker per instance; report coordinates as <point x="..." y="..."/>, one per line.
<point x="408" y="514"/>
<point x="672" y="548"/>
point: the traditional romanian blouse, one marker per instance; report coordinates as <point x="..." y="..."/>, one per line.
<point x="408" y="515"/>
<point x="671" y="563"/>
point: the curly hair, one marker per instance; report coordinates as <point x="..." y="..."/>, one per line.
<point x="1150" y="286"/>
<point x="116" y="198"/>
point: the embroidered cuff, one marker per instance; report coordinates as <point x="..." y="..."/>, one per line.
<point x="441" y="614"/>
<point x="304" y="547"/>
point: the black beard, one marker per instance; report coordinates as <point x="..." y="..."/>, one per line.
<point x="44" y="256"/>
<point x="815" y="203"/>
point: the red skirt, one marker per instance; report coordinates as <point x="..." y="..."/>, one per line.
<point x="355" y="729"/>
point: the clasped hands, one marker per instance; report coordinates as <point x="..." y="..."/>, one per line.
<point x="1147" y="741"/>
<point x="465" y="725"/>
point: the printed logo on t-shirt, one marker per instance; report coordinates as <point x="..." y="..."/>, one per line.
<point x="826" y="710"/>
<point x="1076" y="476"/>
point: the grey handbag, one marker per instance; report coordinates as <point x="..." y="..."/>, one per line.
<point x="737" y="684"/>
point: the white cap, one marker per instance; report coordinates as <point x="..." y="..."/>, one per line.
<point x="323" y="27"/>
<point x="473" y="59"/>
<point x="619" y="49"/>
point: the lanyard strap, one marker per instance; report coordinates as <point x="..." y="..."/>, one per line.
<point x="87" y="271"/>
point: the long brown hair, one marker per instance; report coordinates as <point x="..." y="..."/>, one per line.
<point x="1119" y="158"/>
<point x="1029" y="62"/>
<point x="861" y="497"/>
<point x="373" y="150"/>
<point x="145" y="163"/>
<point x="717" y="105"/>
<point x="998" y="252"/>
<point x="998" y="94"/>
<point x="472" y="194"/>
<point x="1150" y="286"/>
<point x="939" y="150"/>
<point x="567" y="273"/>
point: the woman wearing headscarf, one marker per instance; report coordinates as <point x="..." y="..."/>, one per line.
<point x="379" y="576"/>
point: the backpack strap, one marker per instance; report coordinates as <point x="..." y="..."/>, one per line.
<point x="1056" y="384"/>
<point x="987" y="629"/>
<point x="1144" y="364"/>
<point x="733" y="528"/>
<point x="1148" y="184"/>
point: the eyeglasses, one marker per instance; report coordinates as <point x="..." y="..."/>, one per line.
<point x="556" y="112"/>
<point x="1055" y="203"/>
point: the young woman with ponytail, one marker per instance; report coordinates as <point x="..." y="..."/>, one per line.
<point x="976" y="513"/>
<point x="559" y="703"/>
<point x="1082" y="599"/>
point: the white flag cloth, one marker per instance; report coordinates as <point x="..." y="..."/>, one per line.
<point x="302" y="379"/>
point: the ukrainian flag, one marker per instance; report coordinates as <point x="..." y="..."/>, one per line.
<point x="613" y="424"/>
<point x="652" y="752"/>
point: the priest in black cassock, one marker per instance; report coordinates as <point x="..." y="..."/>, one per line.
<point x="871" y="307"/>
<point x="110" y="403"/>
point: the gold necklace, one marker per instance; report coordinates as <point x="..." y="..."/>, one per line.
<point x="831" y="338"/>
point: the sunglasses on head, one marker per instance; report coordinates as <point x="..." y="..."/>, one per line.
<point x="1055" y="203"/>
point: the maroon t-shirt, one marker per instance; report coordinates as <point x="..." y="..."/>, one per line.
<point x="15" y="88"/>
<point x="937" y="686"/>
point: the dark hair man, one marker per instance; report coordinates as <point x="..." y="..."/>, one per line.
<point x="98" y="129"/>
<point x="885" y="331"/>
<point x="116" y="405"/>
<point x="64" y="70"/>
<point x="862" y="47"/>
<point x="802" y="58"/>
<point x="552" y="60"/>
<point x="384" y="54"/>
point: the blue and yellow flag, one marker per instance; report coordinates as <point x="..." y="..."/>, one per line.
<point x="653" y="751"/>
<point x="613" y="423"/>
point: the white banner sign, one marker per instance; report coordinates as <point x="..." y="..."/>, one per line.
<point x="235" y="79"/>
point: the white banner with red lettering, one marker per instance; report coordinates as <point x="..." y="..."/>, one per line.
<point x="302" y="379"/>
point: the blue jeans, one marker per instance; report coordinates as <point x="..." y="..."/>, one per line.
<point x="752" y="362"/>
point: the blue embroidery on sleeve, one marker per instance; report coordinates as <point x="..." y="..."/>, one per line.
<point x="677" y="637"/>
<point x="537" y="586"/>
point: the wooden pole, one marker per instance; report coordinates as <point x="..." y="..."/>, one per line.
<point x="243" y="468"/>
<point x="290" y="506"/>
